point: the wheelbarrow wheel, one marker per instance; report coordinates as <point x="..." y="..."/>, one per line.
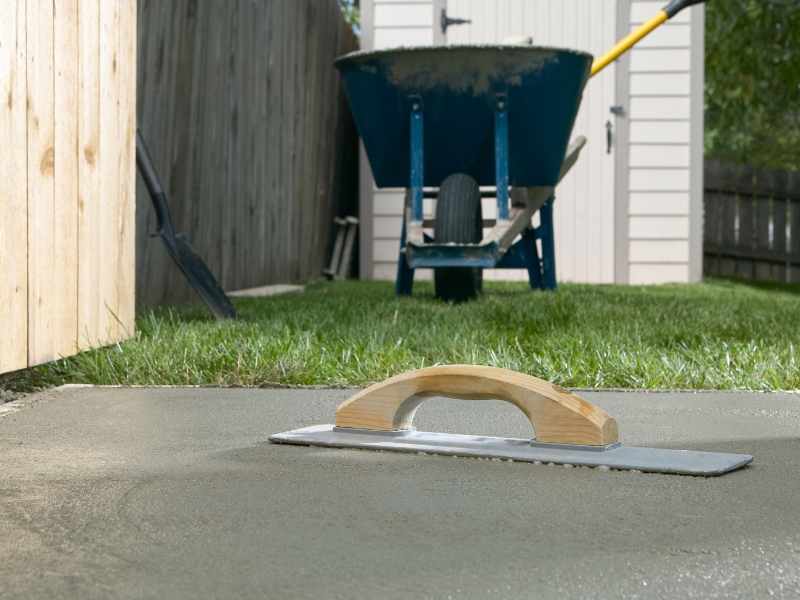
<point x="458" y="220"/>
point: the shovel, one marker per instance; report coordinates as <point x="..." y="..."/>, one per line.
<point x="182" y="252"/>
<point x="626" y="43"/>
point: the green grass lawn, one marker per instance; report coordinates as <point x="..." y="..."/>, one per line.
<point x="717" y="335"/>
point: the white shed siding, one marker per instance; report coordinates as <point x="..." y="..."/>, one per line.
<point x="391" y="23"/>
<point x="661" y="148"/>
<point x="584" y="207"/>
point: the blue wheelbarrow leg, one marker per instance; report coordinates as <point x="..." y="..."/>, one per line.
<point x="524" y="255"/>
<point x="532" y="255"/>
<point x="546" y="234"/>
<point x="405" y="274"/>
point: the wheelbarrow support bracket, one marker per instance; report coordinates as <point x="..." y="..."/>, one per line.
<point x="417" y="161"/>
<point x="416" y="253"/>
<point x="501" y="155"/>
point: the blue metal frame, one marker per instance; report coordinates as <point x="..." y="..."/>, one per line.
<point x="405" y="274"/>
<point x="524" y="254"/>
<point x="417" y="162"/>
<point x="501" y="155"/>
<point x="545" y="233"/>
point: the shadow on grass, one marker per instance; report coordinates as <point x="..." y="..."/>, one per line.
<point x="756" y="284"/>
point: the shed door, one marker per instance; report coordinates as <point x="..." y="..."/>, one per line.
<point x="584" y="208"/>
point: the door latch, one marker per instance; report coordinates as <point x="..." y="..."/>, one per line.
<point x="446" y="21"/>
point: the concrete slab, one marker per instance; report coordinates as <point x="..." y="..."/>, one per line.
<point x="175" y="493"/>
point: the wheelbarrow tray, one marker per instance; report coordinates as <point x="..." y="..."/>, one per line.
<point x="458" y="87"/>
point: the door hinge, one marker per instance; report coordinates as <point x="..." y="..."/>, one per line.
<point x="446" y="21"/>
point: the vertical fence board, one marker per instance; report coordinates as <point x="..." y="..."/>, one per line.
<point x="793" y="193"/>
<point x="744" y="267"/>
<point x="779" y="208"/>
<point x="242" y="110"/>
<point x="126" y="268"/>
<point x="157" y="64"/>
<point x="728" y="234"/>
<point x="41" y="182"/>
<point x="65" y="268"/>
<point x="746" y="216"/>
<point x="711" y="217"/>
<point x="13" y="182"/>
<point x="109" y="170"/>
<point x="89" y="174"/>
<point x="52" y="266"/>
<point x="763" y="270"/>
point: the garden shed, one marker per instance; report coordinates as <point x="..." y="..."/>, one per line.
<point x="630" y="211"/>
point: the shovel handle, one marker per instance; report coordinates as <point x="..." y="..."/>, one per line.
<point x="164" y="226"/>
<point x="669" y="11"/>
<point x="557" y="415"/>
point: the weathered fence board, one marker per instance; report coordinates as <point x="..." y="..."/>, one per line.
<point x="41" y="181"/>
<point x="14" y="183"/>
<point x="240" y="105"/>
<point x="65" y="216"/>
<point x="64" y="176"/>
<point x="126" y="266"/>
<point x="89" y="175"/>
<point x="746" y="216"/>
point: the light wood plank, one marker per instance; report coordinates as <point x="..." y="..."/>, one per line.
<point x="13" y="182"/>
<point x="89" y="251"/>
<point x="42" y="299"/>
<point x="655" y="274"/>
<point x="661" y="84"/>
<point x="109" y="148"/>
<point x="659" y="203"/>
<point x="644" y="60"/>
<point x="660" y="109"/>
<point x="557" y="415"/>
<point x="402" y="15"/>
<point x="659" y="228"/>
<point x="126" y="269"/>
<point x="659" y="132"/>
<point x="659" y="180"/>
<point x="651" y="155"/>
<point x="659" y="251"/>
<point x="65" y="271"/>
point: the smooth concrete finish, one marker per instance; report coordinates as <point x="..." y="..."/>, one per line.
<point x="175" y="493"/>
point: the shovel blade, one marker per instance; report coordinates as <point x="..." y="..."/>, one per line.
<point x="201" y="278"/>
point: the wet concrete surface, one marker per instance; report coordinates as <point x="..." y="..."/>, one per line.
<point x="176" y="493"/>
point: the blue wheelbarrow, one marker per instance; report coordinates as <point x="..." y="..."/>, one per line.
<point x="455" y="118"/>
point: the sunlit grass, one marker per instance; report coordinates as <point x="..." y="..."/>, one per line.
<point x="717" y="335"/>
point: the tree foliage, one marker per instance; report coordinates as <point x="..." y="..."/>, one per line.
<point x="753" y="82"/>
<point x="352" y="14"/>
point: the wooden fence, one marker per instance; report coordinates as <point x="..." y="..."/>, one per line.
<point x="244" y="115"/>
<point x="752" y="222"/>
<point x="67" y="168"/>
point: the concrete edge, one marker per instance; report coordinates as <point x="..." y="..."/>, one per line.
<point x="29" y="399"/>
<point x="281" y="386"/>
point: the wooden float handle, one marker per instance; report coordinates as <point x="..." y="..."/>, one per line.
<point x="557" y="415"/>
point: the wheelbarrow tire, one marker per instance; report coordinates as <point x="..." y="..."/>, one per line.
<point x="459" y="220"/>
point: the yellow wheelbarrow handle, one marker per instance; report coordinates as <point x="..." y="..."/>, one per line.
<point x="669" y="11"/>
